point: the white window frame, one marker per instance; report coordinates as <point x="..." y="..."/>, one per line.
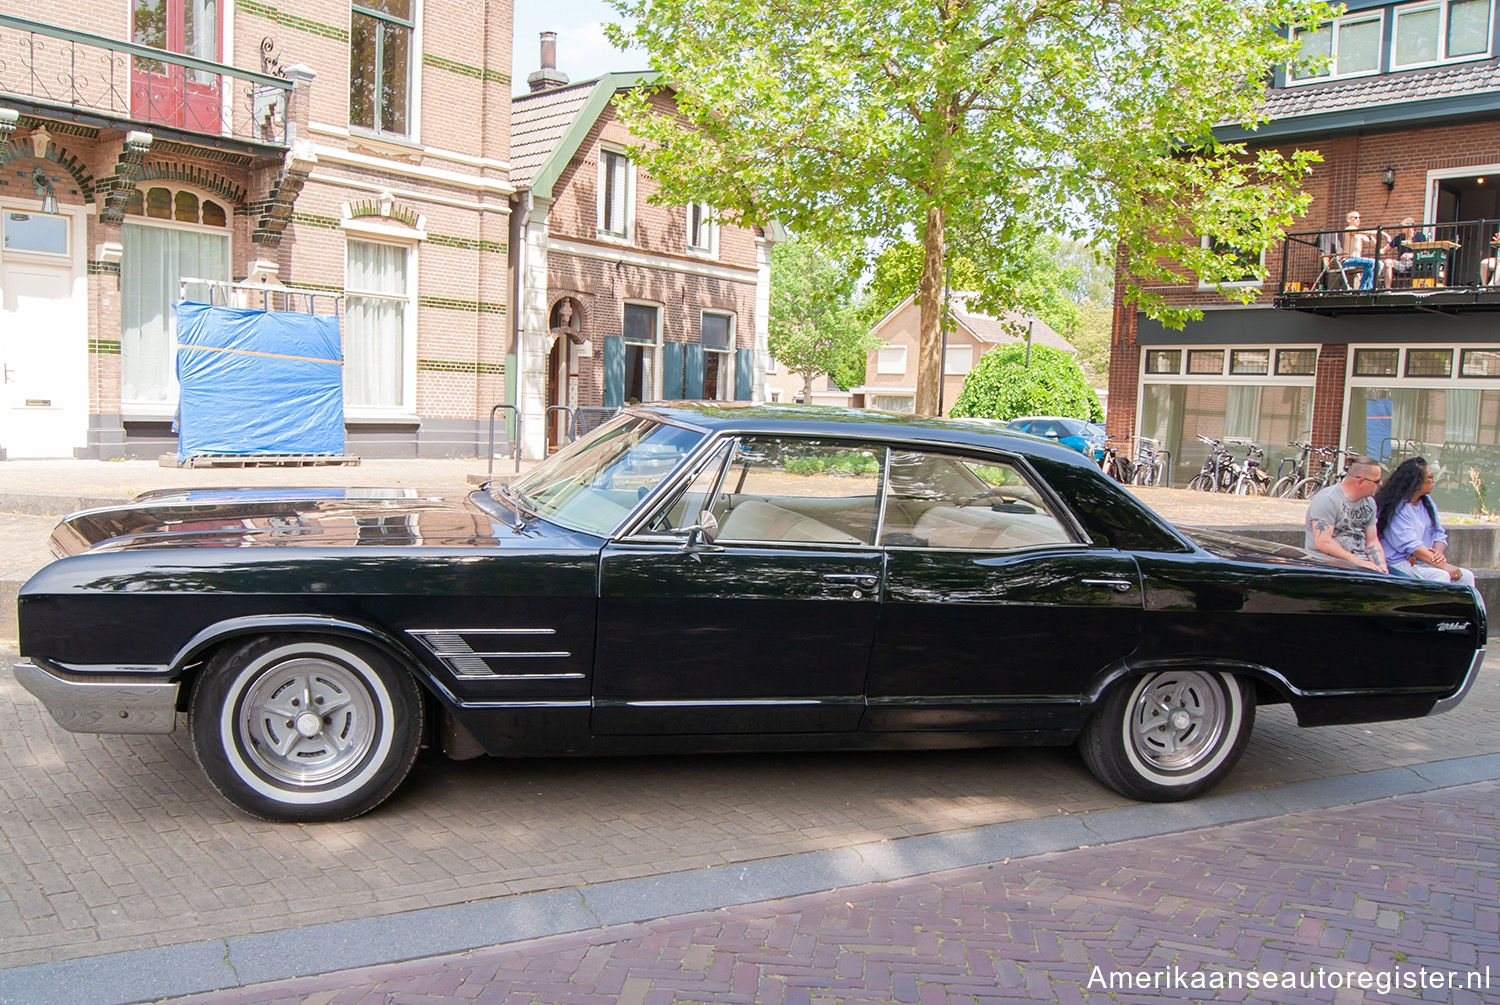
<point x="726" y="384"/>
<point x="1332" y="73"/>
<point x="407" y="407"/>
<point x="882" y="367"/>
<point x="627" y="196"/>
<point x="708" y="229"/>
<point x="1442" y="35"/>
<point x="138" y="408"/>
<point x="656" y="363"/>
<point x="413" y="134"/>
<point x="875" y="396"/>
<point x="1205" y="242"/>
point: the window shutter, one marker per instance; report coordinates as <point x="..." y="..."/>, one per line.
<point x="693" y="370"/>
<point x="744" y="374"/>
<point x="671" y="370"/>
<point x="614" y="371"/>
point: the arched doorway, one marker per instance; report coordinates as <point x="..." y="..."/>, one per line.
<point x="566" y="325"/>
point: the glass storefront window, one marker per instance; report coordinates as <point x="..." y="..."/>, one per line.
<point x="1457" y="428"/>
<point x="1177" y="414"/>
<point x="1296" y="362"/>
<point x="1429" y="362"/>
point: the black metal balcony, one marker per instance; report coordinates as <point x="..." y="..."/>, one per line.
<point x="77" y="76"/>
<point x="1446" y="267"/>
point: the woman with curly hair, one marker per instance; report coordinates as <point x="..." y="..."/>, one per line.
<point x="1410" y="531"/>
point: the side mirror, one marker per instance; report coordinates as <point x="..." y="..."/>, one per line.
<point x="702" y="532"/>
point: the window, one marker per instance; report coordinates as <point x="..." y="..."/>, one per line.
<point x="154" y="259"/>
<point x="718" y="356"/>
<point x="958" y="359"/>
<point x="702" y="228"/>
<point x="902" y="403"/>
<point x="378" y="309"/>
<point x="380" y="46"/>
<point x="1433" y="32"/>
<point x="771" y="365"/>
<point x="787" y="490"/>
<point x="891" y="359"/>
<point x="1296" y="362"/>
<point x="1429" y="362"/>
<point x="1249" y="262"/>
<point x="968" y="503"/>
<point x="1376" y="362"/>
<point x="1251" y="361"/>
<point x="641" y="365"/>
<point x="1480" y="363"/>
<point x="1205" y="361"/>
<point x="1340" y="48"/>
<point x="44" y="234"/>
<point x="614" y="193"/>
<point x="1163" y="360"/>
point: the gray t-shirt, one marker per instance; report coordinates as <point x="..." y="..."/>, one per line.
<point x="1348" y="519"/>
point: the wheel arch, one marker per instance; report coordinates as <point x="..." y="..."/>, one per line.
<point x="1271" y="687"/>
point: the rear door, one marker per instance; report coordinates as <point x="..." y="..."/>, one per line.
<point x="996" y="616"/>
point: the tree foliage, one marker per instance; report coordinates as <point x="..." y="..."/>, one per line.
<point x="999" y="121"/>
<point x="814" y="327"/>
<point x="1003" y="386"/>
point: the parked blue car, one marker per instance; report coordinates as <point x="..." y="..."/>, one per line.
<point x="1085" y="437"/>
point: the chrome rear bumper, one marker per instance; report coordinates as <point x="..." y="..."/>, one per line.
<point x="1446" y="704"/>
<point x="113" y="703"/>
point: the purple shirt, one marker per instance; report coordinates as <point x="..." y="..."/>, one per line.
<point x="1410" y="528"/>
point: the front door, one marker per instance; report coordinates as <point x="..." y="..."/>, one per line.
<point x="43" y="341"/>
<point x="169" y="93"/>
<point x="997" y="615"/>
<point x="768" y="628"/>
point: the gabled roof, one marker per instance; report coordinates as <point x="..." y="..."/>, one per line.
<point x="548" y="127"/>
<point x="1448" y="92"/>
<point x="986" y="328"/>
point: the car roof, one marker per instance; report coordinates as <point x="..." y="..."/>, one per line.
<point x="863" y="423"/>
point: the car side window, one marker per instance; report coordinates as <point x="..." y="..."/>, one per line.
<point x="689" y="502"/>
<point x="955" y="502"/>
<point x="790" y="490"/>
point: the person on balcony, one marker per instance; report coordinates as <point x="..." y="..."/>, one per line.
<point x="1359" y="249"/>
<point x="1398" y="255"/>
<point x="1489" y="269"/>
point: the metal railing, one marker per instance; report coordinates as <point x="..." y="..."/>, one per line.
<point x="58" y="67"/>
<point x="1460" y="255"/>
<point x="490" y="475"/>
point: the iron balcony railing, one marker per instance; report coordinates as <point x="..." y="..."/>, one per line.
<point x="1460" y="258"/>
<point x="75" y="71"/>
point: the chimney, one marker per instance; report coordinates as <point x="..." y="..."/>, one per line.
<point x="548" y="77"/>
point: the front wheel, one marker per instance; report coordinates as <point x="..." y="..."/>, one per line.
<point x="1168" y="735"/>
<point x="293" y="728"/>
<point x="1283" y="487"/>
<point x="1201" y="483"/>
<point x="1307" y="488"/>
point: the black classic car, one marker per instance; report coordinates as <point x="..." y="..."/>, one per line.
<point x="712" y="578"/>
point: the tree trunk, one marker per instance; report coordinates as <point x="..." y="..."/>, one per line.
<point x="930" y="328"/>
<point x="807" y="381"/>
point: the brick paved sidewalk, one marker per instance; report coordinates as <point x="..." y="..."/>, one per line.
<point x="1403" y="890"/>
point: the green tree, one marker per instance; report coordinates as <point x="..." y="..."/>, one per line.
<point x="814" y="327"/>
<point x="997" y="121"/>
<point x="1003" y="385"/>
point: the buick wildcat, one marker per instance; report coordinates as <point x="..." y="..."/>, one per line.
<point x="717" y="577"/>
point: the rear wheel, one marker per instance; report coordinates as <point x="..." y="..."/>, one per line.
<point x="1168" y="735"/>
<point x="1201" y="483"/>
<point x="1307" y="488"/>
<point x="1283" y="486"/>
<point x="297" y="728"/>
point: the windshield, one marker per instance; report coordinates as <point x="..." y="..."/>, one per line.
<point x="593" y="484"/>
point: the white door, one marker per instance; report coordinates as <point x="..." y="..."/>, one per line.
<point x="43" y="339"/>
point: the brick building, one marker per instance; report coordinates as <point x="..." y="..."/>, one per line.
<point x="621" y="299"/>
<point x="356" y="150"/>
<point x="1406" y="115"/>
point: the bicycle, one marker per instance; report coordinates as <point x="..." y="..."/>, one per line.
<point x="1151" y="462"/>
<point x="1285" y="482"/>
<point x="1117" y="467"/>
<point x="1331" y="472"/>
<point x="1254" y="480"/>
<point x="1219" y="469"/>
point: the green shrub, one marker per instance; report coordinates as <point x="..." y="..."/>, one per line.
<point x="1002" y="386"/>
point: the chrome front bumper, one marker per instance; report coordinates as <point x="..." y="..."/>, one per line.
<point x="101" y="703"/>
<point x="1447" y="704"/>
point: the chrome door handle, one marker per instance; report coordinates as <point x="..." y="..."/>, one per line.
<point x="1118" y="585"/>
<point x="857" y="578"/>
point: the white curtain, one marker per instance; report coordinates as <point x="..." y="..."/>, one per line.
<point x="152" y="264"/>
<point x="1243" y="416"/>
<point x="376" y="289"/>
<point x="1462" y="420"/>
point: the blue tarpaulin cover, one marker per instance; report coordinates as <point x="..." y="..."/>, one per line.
<point x="258" y="382"/>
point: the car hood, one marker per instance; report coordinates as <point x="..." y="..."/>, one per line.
<point x="238" y="518"/>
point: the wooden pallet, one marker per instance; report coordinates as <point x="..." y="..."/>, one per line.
<point x="257" y="460"/>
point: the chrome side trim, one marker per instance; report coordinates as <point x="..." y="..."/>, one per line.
<point x="103" y="703"/>
<point x="450" y="646"/>
<point x="1449" y="703"/>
